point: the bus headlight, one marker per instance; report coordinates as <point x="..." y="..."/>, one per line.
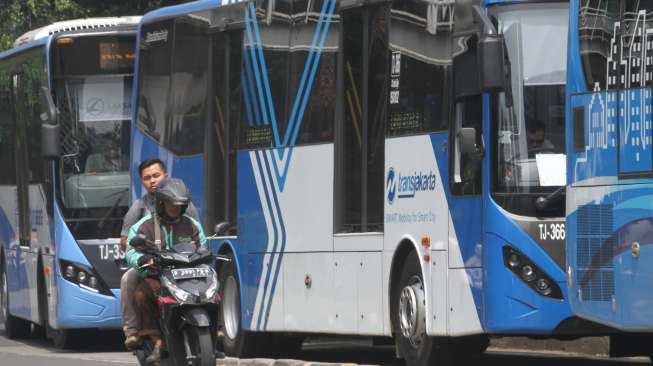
<point x="81" y="277"/>
<point x="84" y="277"/>
<point x="527" y="273"/>
<point x="513" y="259"/>
<point x="543" y="286"/>
<point x="530" y="274"/>
<point x="70" y="272"/>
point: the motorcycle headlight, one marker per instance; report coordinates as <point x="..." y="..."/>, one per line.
<point x="179" y="294"/>
<point x="213" y="289"/>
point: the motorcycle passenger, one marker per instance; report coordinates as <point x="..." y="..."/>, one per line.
<point x="151" y="171"/>
<point x="169" y="225"/>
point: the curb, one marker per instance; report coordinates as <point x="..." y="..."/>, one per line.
<point x="593" y="346"/>
<point x="588" y="346"/>
<point x="272" y="362"/>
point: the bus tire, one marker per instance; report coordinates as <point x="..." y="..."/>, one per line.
<point x="236" y="342"/>
<point x="472" y="345"/>
<point x="285" y="346"/>
<point x="15" y="328"/>
<point x="41" y="331"/>
<point x="63" y="338"/>
<point x="408" y="316"/>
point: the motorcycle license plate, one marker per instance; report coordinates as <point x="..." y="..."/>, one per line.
<point x="185" y="273"/>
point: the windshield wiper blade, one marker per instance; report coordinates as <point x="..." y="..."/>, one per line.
<point x="542" y="202"/>
<point x="100" y="224"/>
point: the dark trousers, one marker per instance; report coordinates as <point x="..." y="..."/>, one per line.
<point x="145" y="297"/>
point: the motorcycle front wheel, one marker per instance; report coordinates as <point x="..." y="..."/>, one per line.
<point x="200" y="344"/>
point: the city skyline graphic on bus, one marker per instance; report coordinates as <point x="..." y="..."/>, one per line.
<point x="620" y="117"/>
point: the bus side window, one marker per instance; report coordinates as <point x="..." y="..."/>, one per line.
<point x="595" y="46"/>
<point x="226" y="107"/>
<point x="360" y="143"/>
<point x="314" y="115"/>
<point x="190" y="81"/>
<point x="7" y="131"/>
<point x="420" y="72"/>
<point x="154" y="88"/>
<point x="465" y="172"/>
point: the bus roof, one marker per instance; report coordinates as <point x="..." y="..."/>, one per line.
<point x="76" y="25"/>
<point x="175" y="10"/>
<point x="16" y="50"/>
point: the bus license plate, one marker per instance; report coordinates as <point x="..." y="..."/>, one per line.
<point x="185" y="273"/>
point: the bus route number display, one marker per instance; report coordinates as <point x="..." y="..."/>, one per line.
<point x="116" y="55"/>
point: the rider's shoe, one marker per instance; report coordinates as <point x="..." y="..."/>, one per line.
<point x="220" y="355"/>
<point x="154" y="357"/>
<point x="132" y="341"/>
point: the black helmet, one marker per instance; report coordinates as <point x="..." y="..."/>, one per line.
<point x="174" y="191"/>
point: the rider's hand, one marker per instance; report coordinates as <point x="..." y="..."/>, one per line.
<point x="145" y="260"/>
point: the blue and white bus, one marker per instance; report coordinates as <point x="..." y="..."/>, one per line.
<point x="610" y="169"/>
<point x="65" y="109"/>
<point x="369" y="184"/>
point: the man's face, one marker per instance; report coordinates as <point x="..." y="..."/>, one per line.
<point x="536" y="138"/>
<point x="151" y="177"/>
<point x="173" y="211"/>
<point x="112" y="153"/>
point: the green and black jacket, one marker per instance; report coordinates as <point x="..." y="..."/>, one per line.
<point x="185" y="230"/>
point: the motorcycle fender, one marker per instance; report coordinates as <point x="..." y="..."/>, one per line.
<point x="197" y="317"/>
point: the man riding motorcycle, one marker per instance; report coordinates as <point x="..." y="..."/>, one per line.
<point x="151" y="171"/>
<point x="170" y="225"/>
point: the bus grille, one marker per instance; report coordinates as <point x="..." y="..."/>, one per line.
<point x="595" y="247"/>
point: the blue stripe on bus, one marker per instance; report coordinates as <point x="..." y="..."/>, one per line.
<point x="281" y="178"/>
<point x="283" y="245"/>
<point x="259" y="88"/>
<point x="307" y="68"/>
<point x="264" y="182"/>
<point x="264" y="72"/>
<point x="248" y="106"/>
<point x="251" y="89"/>
<point x="314" y="70"/>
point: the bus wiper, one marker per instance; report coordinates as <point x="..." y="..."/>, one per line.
<point x="542" y="202"/>
<point x="100" y="224"/>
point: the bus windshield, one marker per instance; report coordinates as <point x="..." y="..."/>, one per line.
<point x="529" y="122"/>
<point x="93" y="89"/>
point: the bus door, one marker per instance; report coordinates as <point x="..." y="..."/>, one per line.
<point x="466" y="148"/>
<point x="26" y="296"/>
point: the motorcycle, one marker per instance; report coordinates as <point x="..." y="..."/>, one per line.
<point x="188" y="304"/>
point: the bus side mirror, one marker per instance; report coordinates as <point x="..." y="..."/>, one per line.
<point x="467" y="141"/>
<point x="491" y="73"/>
<point x="50" y="129"/>
<point x="48" y="109"/>
<point x="491" y="54"/>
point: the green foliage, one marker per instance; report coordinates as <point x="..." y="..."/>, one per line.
<point x="20" y="16"/>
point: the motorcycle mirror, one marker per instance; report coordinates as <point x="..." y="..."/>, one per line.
<point x="221" y="228"/>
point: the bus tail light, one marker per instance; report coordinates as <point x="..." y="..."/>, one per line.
<point x="530" y="274"/>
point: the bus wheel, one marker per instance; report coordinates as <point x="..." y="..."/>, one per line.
<point x="472" y="345"/>
<point x="15" y="328"/>
<point x="63" y="338"/>
<point x="236" y="342"/>
<point x="409" y="320"/>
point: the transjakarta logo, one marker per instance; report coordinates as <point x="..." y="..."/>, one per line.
<point x="406" y="186"/>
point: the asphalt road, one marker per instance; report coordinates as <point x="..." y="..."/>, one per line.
<point x="105" y="350"/>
